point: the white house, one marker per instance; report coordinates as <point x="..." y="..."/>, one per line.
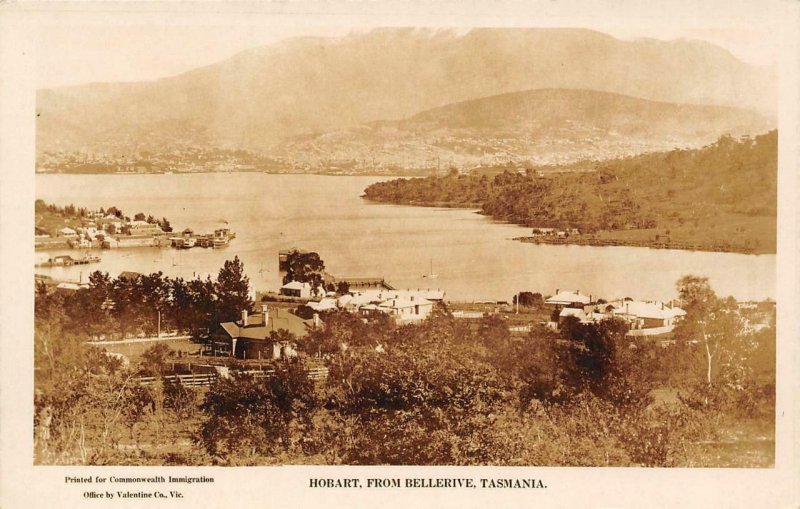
<point x="296" y="289"/>
<point x="647" y="318"/>
<point x="67" y="232"/>
<point x="565" y="298"/>
<point x="407" y="310"/>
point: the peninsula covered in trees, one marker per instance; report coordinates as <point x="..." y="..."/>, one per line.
<point x="722" y="197"/>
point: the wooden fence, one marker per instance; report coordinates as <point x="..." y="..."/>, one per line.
<point x="315" y="374"/>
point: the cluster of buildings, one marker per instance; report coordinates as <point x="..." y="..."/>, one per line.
<point x="100" y="230"/>
<point x="405" y="306"/>
<point x="645" y="318"/>
<point x="168" y="160"/>
<point x="255" y="336"/>
<point x="554" y="232"/>
<point x="103" y="231"/>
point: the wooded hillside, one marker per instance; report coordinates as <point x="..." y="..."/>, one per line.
<point x="724" y="194"/>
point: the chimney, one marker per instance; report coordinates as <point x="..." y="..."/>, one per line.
<point x="244" y="318"/>
<point x="557" y="291"/>
<point x="316" y="320"/>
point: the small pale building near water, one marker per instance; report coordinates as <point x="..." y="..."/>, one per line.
<point x="411" y="309"/>
<point x="296" y="289"/>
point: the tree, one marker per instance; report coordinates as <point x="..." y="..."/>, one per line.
<point x="529" y="299"/>
<point x="258" y="416"/>
<point x="493" y="332"/>
<point x="139" y="216"/>
<point x="164" y="224"/>
<point x="305" y="268"/>
<point x="232" y="290"/>
<point x="596" y="350"/>
<point x="708" y="321"/>
<point x="412" y="405"/>
<point x="544" y="369"/>
<point x="155" y="293"/>
<point x="154" y="359"/>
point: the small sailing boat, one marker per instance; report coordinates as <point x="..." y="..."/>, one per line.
<point x="431" y="274"/>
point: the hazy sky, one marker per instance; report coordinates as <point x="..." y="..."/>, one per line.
<point x="67" y="55"/>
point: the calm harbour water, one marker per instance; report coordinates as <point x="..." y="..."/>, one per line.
<point x="473" y="256"/>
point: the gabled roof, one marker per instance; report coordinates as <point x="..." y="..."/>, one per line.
<point x="278" y="319"/>
<point x="295" y="285"/>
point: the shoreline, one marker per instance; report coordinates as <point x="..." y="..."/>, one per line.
<point x="679" y="246"/>
<point x="583" y="240"/>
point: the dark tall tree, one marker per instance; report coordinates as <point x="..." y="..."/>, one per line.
<point x="233" y="291"/>
<point x="305" y="268"/>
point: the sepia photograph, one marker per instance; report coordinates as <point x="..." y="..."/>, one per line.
<point x="394" y="254"/>
<point x="379" y="245"/>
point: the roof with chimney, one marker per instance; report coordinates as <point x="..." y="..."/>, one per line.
<point x="562" y="297"/>
<point x="642" y="309"/>
<point x="278" y="319"/>
<point x="401" y="303"/>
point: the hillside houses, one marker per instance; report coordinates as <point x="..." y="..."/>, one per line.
<point x="71" y="227"/>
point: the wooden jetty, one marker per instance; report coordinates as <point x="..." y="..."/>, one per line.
<point x="365" y="282"/>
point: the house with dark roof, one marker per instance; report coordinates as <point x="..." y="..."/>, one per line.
<point x="257" y="336"/>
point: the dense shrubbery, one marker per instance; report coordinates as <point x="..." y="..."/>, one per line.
<point x="445" y="391"/>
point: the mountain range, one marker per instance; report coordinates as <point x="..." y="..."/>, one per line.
<point x="433" y="83"/>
